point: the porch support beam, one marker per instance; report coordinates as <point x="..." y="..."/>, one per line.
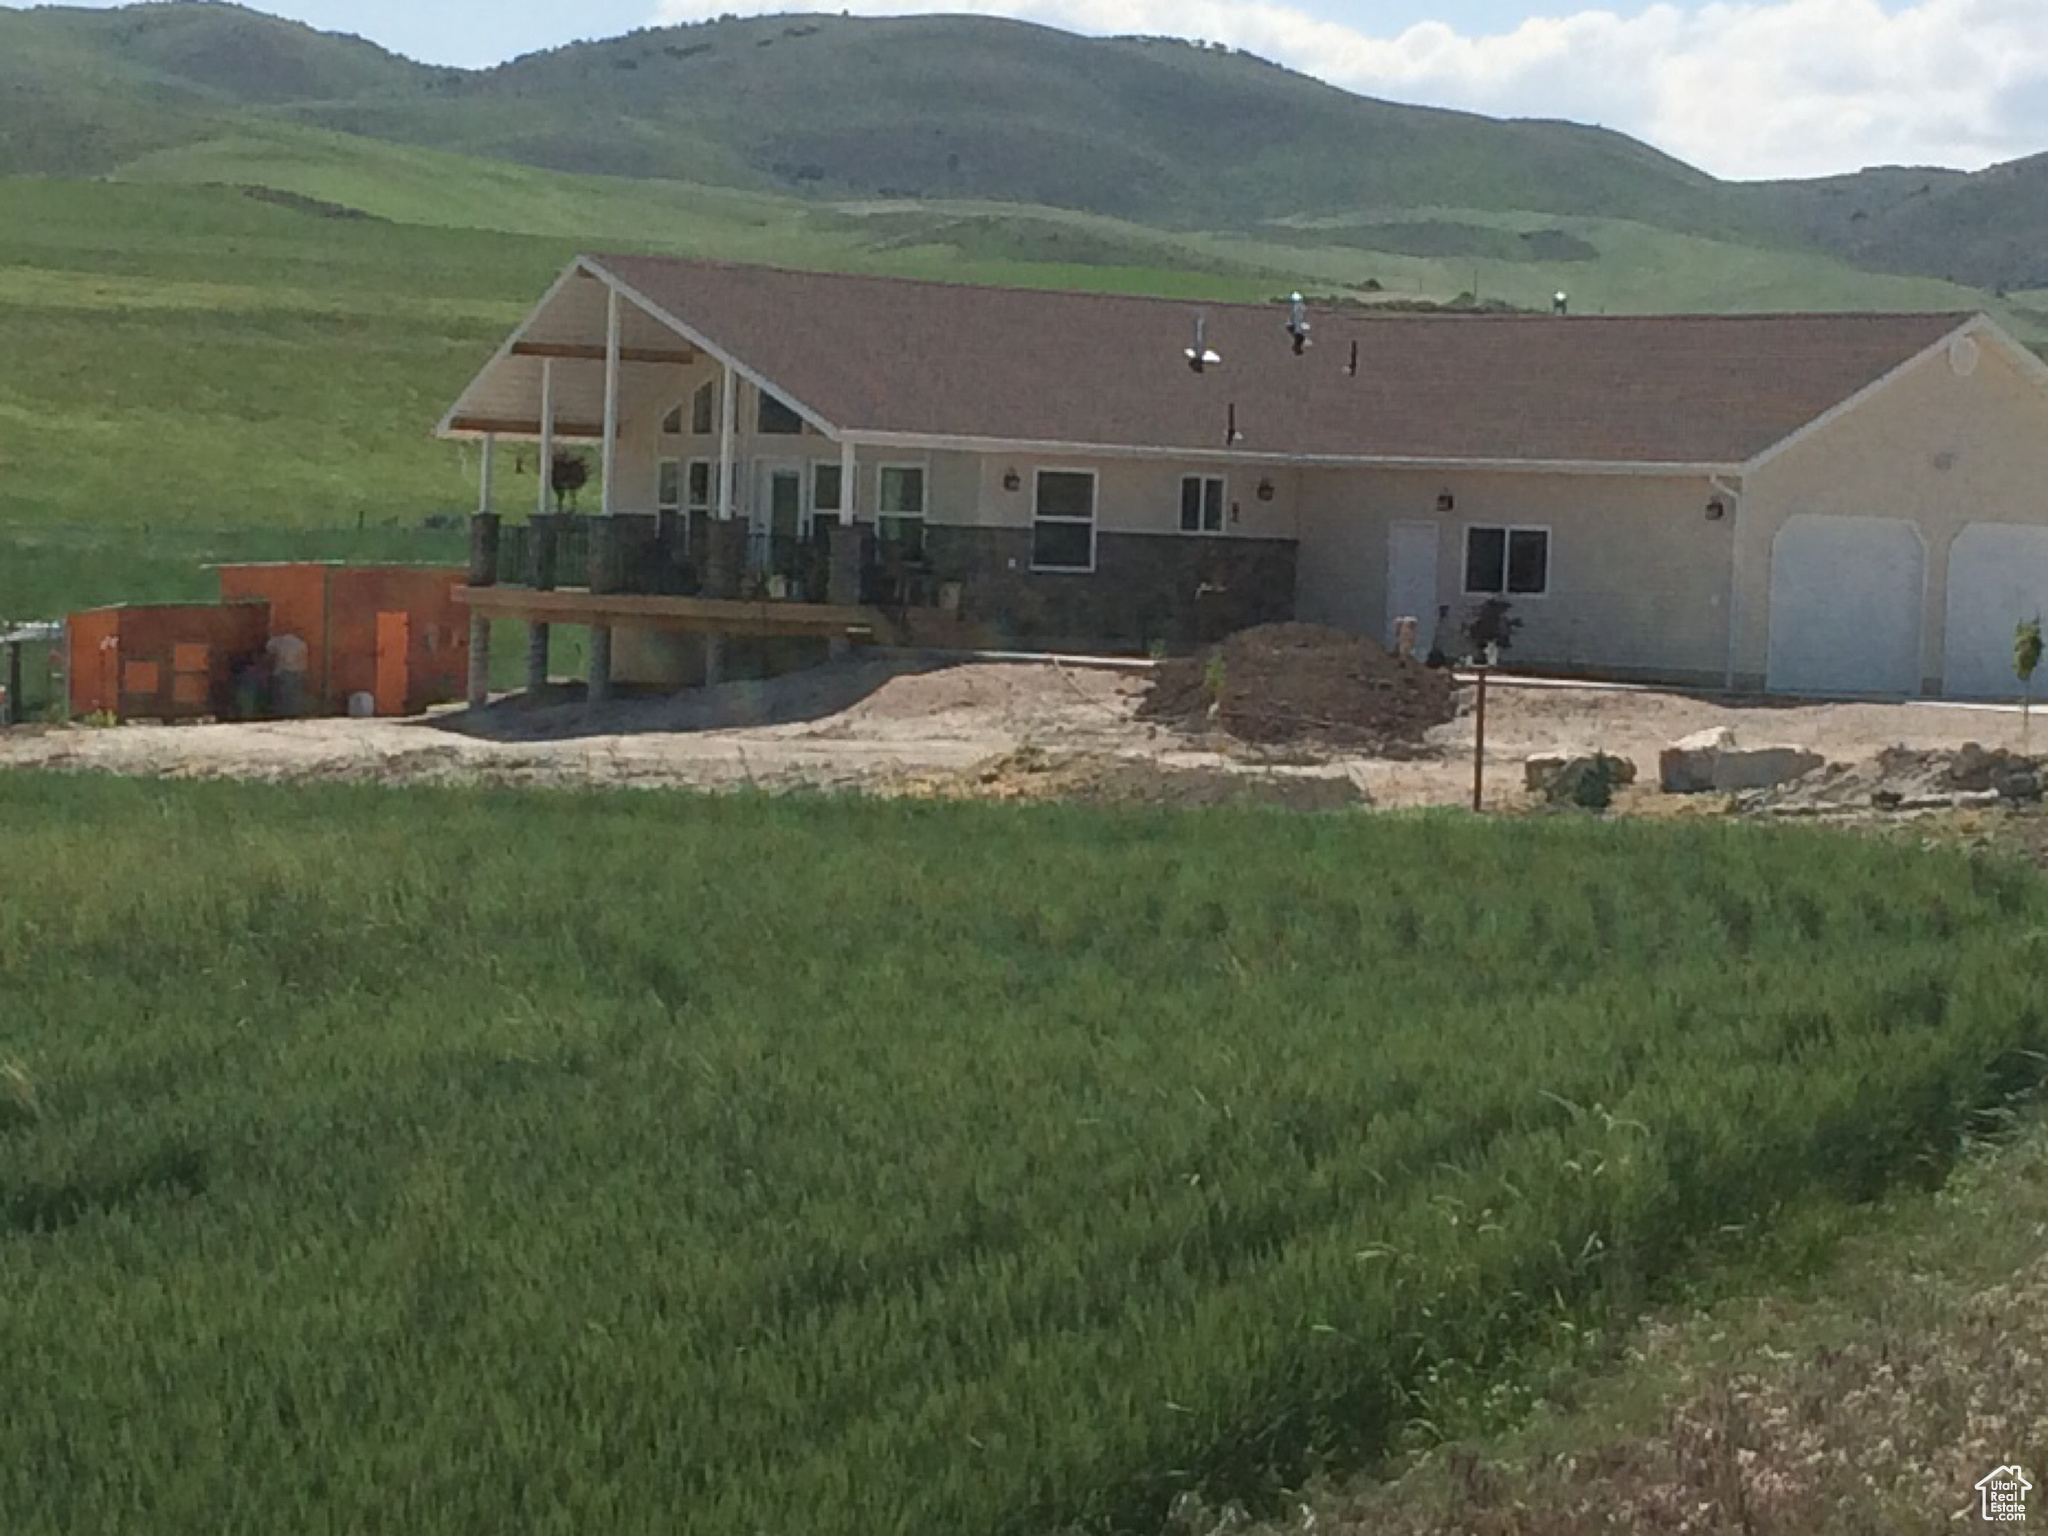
<point x="604" y="537"/>
<point x="849" y="478"/>
<point x="547" y="436"/>
<point x="484" y="551"/>
<point x="579" y="352"/>
<point x="524" y="428"/>
<point x="728" y="422"/>
<point x="538" y="636"/>
<point x="610" y="452"/>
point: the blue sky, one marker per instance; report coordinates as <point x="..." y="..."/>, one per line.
<point x="1744" y="88"/>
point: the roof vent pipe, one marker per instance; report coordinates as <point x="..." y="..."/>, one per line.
<point x="1352" y="367"/>
<point x="1232" y="436"/>
<point x="1297" y="323"/>
<point x="1200" y="356"/>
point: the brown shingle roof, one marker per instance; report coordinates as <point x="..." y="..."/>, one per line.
<point x="872" y="354"/>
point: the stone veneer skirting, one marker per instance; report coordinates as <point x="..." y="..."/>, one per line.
<point x="1175" y="589"/>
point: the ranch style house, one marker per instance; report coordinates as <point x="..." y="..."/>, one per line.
<point x="1829" y="504"/>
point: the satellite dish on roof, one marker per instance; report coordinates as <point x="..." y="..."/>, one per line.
<point x="1200" y="356"/>
<point x="1297" y="323"/>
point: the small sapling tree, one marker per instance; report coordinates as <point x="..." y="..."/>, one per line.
<point x="2026" y="656"/>
<point x="567" y="476"/>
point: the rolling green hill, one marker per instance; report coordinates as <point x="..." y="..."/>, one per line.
<point x="946" y="107"/>
<point x="1989" y="230"/>
<point x="1149" y="131"/>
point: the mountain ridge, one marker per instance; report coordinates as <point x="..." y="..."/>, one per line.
<point x="1169" y="134"/>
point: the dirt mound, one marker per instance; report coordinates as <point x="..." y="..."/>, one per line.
<point x="1094" y="778"/>
<point x="1304" y="683"/>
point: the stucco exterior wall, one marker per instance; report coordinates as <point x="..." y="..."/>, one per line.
<point x="1937" y="447"/>
<point x="1639" y="575"/>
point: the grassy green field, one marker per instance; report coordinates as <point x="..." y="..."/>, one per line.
<point x="461" y="1162"/>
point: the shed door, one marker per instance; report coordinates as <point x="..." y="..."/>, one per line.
<point x="394" y="672"/>
<point x="1997" y="580"/>
<point x="1846" y="597"/>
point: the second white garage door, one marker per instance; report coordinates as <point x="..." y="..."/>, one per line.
<point x="1846" y="595"/>
<point x="1997" y="580"/>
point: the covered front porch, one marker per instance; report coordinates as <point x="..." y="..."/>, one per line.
<point x="707" y="523"/>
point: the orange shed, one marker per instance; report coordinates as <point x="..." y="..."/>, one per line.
<point x="172" y="661"/>
<point x="390" y="631"/>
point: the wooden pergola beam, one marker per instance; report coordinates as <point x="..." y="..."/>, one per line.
<point x="687" y="615"/>
<point x="508" y="426"/>
<point x="580" y="352"/>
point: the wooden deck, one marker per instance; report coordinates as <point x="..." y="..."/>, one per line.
<point x="679" y="615"/>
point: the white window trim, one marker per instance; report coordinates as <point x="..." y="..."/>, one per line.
<point x="1038" y="475"/>
<point x="710" y="502"/>
<point x="682" y="484"/>
<point x="1223" y="523"/>
<point x="838" y="508"/>
<point x="924" y="515"/>
<point x="1510" y="530"/>
<point x="681" y="412"/>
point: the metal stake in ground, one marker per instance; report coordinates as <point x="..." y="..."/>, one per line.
<point x="1486" y="662"/>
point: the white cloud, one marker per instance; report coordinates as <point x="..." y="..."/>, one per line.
<point x="1766" y="88"/>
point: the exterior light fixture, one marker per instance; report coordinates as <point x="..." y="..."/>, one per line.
<point x="1265" y="491"/>
<point x="1445" y="501"/>
<point x="1716" y="510"/>
<point x="1012" y="480"/>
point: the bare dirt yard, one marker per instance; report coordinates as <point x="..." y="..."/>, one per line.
<point x="985" y="729"/>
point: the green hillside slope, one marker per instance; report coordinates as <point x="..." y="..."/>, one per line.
<point x="940" y="107"/>
<point x="944" y="110"/>
<point x="1989" y="230"/>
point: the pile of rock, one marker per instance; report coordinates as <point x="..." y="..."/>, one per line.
<point x="1576" y="778"/>
<point x="1714" y="762"/>
<point x="1905" y="779"/>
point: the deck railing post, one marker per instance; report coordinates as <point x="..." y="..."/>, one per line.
<point x="484" y="538"/>
<point x="604" y="577"/>
<point x="542" y="551"/>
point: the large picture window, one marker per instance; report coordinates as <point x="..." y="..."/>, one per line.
<point x="1202" y="499"/>
<point x="1063" y="521"/>
<point x="899" y="509"/>
<point x="826" y="493"/>
<point x="703" y="406"/>
<point x="668" y="485"/>
<point x="777" y="418"/>
<point x="1501" y="561"/>
<point x="702" y="485"/>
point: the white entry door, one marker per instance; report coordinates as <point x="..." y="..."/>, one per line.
<point x="1411" y="581"/>
<point x="778" y="517"/>
<point x="1846" y="601"/>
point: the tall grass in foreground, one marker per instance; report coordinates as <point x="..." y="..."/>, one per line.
<point x="478" y="1162"/>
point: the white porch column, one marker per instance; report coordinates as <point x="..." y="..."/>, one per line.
<point x="611" y="400"/>
<point x="483" y="568"/>
<point x="727" y="425"/>
<point x="547" y="436"/>
<point x="848" y="479"/>
<point x="538" y="636"/>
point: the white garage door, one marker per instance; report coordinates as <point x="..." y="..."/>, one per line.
<point x="1997" y="580"/>
<point x="1846" y="594"/>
